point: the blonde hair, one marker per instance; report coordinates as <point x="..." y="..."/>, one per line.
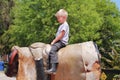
<point x="62" y="12"/>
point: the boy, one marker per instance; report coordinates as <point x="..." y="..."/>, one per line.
<point x="61" y="40"/>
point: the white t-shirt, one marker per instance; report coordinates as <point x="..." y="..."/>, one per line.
<point x="64" y="27"/>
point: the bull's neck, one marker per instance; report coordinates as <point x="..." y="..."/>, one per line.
<point x="26" y="70"/>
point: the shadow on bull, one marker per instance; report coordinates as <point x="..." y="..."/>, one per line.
<point x="76" y="62"/>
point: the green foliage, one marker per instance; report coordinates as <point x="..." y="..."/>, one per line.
<point x="5" y="20"/>
<point x="112" y="59"/>
<point x="116" y="77"/>
<point x="84" y="21"/>
<point x="110" y="26"/>
<point x="4" y="15"/>
<point x="35" y="19"/>
<point x="109" y="33"/>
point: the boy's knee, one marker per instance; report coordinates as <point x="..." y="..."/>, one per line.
<point x="54" y="48"/>
<point x="53" y="51"/>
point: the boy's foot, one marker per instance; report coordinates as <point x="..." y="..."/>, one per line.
<point x="48" y="72"/>
<point x="53" y="69"/>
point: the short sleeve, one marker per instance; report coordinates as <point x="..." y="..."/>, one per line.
<point x="64" y="27"/>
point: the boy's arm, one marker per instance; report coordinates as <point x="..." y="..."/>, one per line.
<point x="60" y="36"/>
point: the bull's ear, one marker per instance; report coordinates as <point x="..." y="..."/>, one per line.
<point x="15" y="47"/>
<point x="19" y="51"/>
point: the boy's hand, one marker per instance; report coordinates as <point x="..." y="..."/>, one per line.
<point x="52" y="42"/>
<point x="60" y="36"/>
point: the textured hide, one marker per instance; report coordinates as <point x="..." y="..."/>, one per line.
<point x="78" y="62"/>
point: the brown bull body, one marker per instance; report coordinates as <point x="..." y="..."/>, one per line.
<point x="76" y="62"/>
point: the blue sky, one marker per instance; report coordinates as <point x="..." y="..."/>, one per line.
<point x="117" y="3"/>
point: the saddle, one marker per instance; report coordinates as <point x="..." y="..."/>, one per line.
<point x="36" y="51"/>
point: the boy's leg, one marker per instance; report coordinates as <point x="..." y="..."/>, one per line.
<point x="53" y="51"/>
<point x="54" y="57"/>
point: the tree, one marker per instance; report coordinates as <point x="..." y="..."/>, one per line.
<point x="111" y="59"/>
<point x="5" y="6"/>
<point x="109" y="32"/>
<point x="5" y="20"/>
<point x="37" y="18"/>
<point x="110" y="27"/>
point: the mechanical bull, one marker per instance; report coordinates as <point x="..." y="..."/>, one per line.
<point x="76" y="62"/>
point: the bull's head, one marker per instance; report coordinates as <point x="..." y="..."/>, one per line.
<point x="22" y="63"/>
<point x="12" y="66"/>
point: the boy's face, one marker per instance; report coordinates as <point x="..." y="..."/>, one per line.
<point x="61" y="19"/>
